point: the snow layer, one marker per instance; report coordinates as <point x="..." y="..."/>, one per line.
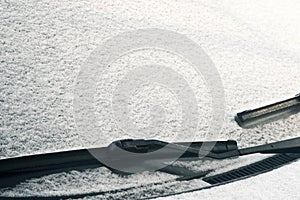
<point x="254" y="45"/>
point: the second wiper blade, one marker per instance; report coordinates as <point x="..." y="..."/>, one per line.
<point x="265" y="114"/>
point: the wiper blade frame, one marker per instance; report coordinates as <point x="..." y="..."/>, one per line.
<point x="14" y="170"/>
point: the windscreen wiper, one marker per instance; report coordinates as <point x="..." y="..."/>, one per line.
<point x="15" y="170"/>
<point x="269" y="113"/>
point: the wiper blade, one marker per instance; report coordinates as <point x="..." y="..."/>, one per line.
<point x="74" y="158"/>
<point x="14" y="170"/>
<point x="269" y="113"/>
<point x="18" y="169"/>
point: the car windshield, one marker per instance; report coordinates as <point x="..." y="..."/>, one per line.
<point x="81" y="80"/>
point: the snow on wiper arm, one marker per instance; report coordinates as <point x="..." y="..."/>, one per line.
<point x="269" y="113"/>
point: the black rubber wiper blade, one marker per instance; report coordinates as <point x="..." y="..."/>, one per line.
<point x="18" y="169"/>
<point x="15" y="170"/>
<point x="269" y="113"/>
<point x="77" y="158"/>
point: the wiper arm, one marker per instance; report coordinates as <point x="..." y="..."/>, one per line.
<point x="281" y="147"/>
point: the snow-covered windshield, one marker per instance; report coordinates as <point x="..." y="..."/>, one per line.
<point x="79" y="74"/>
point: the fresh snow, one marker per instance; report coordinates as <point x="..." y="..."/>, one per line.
<point x="253" y="44"/>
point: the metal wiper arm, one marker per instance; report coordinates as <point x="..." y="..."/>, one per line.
<point x="281" y="147"/>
